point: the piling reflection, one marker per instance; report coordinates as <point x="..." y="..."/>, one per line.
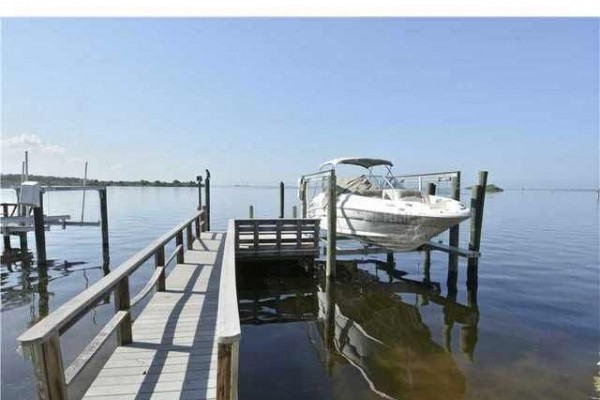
<point x="23" y="283"/>
<point x="367" y="322"/>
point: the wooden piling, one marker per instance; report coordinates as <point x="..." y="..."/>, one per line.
<point x="303" y="197"/>
<point x="199" y="180"/>
<point x="207" y="194"/>
<point x="331" y="226"/>
<point x="477" y="203"/>
<point x="390" y="258"/>
<point x="431" y="189"/>
<point x="281" y="200"/>
<point x="104" y="226"/>
<point x="40" y="233"/>
<point x="251" y="212"/>
<point x="294" y="212"/>
<point x="453" y="239"/>
<point x="23" y="242"/>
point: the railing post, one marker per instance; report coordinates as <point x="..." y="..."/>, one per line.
<point x="104" y="223"/>
<point x="179" y="241"/>
<point x="159" y="261"/>
<point x="190" y="238"/>
<point x="122" y="303"/>
<point x="197" y="227"/>
<point x="331" y="226"/>
<point x="48" y="369"/>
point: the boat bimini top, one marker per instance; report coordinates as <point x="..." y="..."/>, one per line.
<point x="362" y="162"/>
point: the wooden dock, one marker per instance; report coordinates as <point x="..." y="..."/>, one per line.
<point x="173" y="353"/>
<point x="184" y="344"/>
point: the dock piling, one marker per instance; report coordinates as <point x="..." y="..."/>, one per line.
<point x="199" y="180"/>
<point x="281" y="199"/>
<point x="477" y="202"/>
<point x="303" y="197"/>
<point x="431" y="189"/>
<point x="453" y="235"/>
<point x="207" y="194"/>
<point x="40" y="233"/>
<point x="251" y="212"/>
<point x="294" y="212"/>
<point x="331" y="226"/>
<point x="104" y="226"/>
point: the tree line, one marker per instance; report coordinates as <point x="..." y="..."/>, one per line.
<point x="11" y="180"/>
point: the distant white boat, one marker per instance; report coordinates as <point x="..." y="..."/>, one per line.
<point x="378" y="210"/>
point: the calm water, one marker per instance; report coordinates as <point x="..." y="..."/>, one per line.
<point x="533" y="335"/>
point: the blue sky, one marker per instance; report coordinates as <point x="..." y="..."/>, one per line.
<point x="263" y="100"/>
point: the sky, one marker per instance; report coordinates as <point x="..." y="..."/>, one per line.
<point x="264" y="100"/>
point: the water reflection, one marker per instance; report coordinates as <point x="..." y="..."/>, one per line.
<point x="362" y="321"/>
<point x="24" y="283"/>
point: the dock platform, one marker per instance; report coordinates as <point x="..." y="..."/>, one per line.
<point x="184" y="344"/>
<point x="173" y="354"/>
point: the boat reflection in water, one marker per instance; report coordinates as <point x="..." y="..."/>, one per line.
<point x="360" y="321"/>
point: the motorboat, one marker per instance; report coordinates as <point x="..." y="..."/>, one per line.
<point x="378" y="209"/>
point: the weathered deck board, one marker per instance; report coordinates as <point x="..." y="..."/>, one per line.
<point x="174" y="353"/>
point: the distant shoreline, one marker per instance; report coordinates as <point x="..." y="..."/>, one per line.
<point x="9" y="181"/>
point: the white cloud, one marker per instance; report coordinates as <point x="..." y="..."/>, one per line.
<point x="30" y="142"/>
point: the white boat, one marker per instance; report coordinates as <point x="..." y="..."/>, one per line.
<point x="378" y="210"/>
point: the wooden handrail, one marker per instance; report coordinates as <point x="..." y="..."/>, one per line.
<point x="42" y="341"/>
<point x="62" y="315"/>
<point x="228" y="322"/>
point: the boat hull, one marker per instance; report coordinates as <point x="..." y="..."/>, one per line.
<point x="388" y="223"/>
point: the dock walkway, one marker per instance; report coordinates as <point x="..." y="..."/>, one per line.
<point x="173" y="354"/>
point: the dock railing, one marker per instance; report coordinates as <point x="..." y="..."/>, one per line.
<point x="276" y="237"/>
<point x="228" y="322"/>
<point x="42" y="341"/>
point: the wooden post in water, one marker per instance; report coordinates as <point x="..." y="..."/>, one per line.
<point x="477" y="202"/>
<point x="453" y="235"/>
<point x="431" y="189"/>
<point x="23" y="242"/>
<point x="104" y="225"/>
<point x="199" y="180"/>
<point x="294" y="212"/>
<point x="281" y="200"/>
<point x="6" y="238"/>
<point x="303" y="197"/>
<point x="207" y="187"/>
<point x="251" y="212"/>
<point x="331" y="226"/>
<point x="329" y="334"/>
<point x="40" y="233"/>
